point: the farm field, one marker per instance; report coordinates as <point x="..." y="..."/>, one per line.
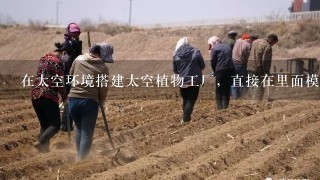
<point x="278" y="139"/>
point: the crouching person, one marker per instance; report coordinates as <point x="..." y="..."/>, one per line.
<point x="189" y="64"/>
<point x="45" y="99"/>
<point x="84" y="97"/>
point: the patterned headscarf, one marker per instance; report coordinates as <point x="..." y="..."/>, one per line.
<point x="72" y="27"/>
<point x="106" y="51"/>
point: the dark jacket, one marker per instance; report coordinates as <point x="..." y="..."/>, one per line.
<point x="74" y="50"/>
<point x="187" y="62"/>
<point x="221" y="58"/>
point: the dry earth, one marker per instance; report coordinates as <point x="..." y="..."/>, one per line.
<point x="278" y="139"/>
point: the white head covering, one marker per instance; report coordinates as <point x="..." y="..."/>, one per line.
<point x="214" y="40"/>
<point x="181" y="42"/>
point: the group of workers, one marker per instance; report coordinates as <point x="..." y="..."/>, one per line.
<point x="81" y="102"/>
<point x="246" y="55"/>
<point x="229" y="59"/>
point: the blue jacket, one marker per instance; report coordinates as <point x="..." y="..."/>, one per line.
<point x="221" y="58"/>
<point x="187" y="62"/>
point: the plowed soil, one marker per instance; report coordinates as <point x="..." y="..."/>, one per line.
<point x="278" y="139"/>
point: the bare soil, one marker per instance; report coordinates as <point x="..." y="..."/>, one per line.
<point x="278" y="139"/>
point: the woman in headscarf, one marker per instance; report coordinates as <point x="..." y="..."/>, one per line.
<point x="71" y="40"/>
<point x="45" y="96"/>
<point x="92" y="70"/>
<point x="189" y="64"/>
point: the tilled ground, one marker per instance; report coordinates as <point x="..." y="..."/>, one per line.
<point x="278" y="139"/>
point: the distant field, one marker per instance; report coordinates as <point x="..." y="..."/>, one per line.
<point x="300" y="39"/>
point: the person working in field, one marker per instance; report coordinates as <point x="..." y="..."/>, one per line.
<point x="230" y="41"/>
<point x="240" y="55"/>
<point x="44" y="94"/>
<point x="84" y="97"/>
<point x="189" y="64"/>
<point x="232" y="35"/>
<point x="259" y="63"/>
<point x="74" y="44"/>
<point x="223" y="68"/>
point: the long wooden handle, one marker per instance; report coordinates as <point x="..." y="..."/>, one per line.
<point x="104" y="117"/>
<point x="89" y="41"/>
<point x="106" y="125"/>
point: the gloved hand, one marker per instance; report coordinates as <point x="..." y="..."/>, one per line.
<point x="58" y="45"/>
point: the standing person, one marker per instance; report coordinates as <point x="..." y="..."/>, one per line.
<point x="44" y="94"/>
<point x="71" y="40"/>
<point x="259" y="62"/>
<point x="232" y="35"/>
<point x="189" y="64"/>
<point x="84" y="98"/>
<point x="222" y="66"/>
<point x="240" y="55"/>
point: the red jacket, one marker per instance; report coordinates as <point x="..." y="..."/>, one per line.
<point x="49" y="79"/>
